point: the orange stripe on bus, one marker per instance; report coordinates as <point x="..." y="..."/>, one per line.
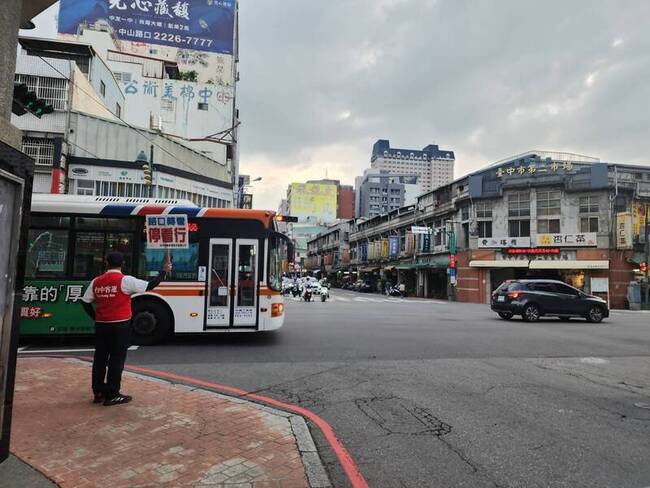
<point x="268" y="291"/>
<point x="180" y="293"/>
<point x="264" y="216"/>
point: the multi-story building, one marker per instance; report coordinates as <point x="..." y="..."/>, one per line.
<point x="382" y="191"/>
<point x="328" y="252"/>
<point x="540" y="214"/>
<point x="433" y="166"/>
<point x="345" y="202"/>
<point x="316" y="204"/>
<point x="87" y="147"/>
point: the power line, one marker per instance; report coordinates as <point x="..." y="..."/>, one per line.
<point x="92" y="96"/>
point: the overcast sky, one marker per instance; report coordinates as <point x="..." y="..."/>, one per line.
<point x="322" y="80"/>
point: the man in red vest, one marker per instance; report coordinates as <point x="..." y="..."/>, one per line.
<point x="111" y="293"/>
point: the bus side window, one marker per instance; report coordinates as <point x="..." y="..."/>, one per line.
<point x="47" y="251"/>
<point x="89" y="255"/>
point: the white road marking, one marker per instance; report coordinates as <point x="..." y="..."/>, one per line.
<point x="590" y="360"/>
<point x="40" y="351"/>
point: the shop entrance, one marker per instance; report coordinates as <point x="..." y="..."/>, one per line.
<point x="575" y="278"/>
<point x="436" y="283"/>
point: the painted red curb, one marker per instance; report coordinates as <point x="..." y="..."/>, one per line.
<point x="349" y="466"/>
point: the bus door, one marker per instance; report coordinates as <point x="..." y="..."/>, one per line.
<point x="232" y="283"/>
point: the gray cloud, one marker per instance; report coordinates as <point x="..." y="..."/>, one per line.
<point x="321" y="81"/>
<point x="485" y="78"/>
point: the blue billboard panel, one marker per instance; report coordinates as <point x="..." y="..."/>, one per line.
<point x="204" y="25"/>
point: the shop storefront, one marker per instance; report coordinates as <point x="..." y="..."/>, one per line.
<point x="583" y="270"/>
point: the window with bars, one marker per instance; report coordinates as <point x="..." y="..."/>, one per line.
<point x="548" y="226"/>
<point x="53" y="90"/>
<point x="85" y="187"/>
<point x="589" y="224"/>
<point x="485" y="228"/>
<point x="519" y="205"/>
<point x="519" y="228"/>
<point x="548" y="203"/>
<point x="589" y="204"/>
<point x="483" y="211"/>
<point x="40" y="149"/>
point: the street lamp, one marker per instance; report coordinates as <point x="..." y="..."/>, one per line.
<point x="242" y="187"/>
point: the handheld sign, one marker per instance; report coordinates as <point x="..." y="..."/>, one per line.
<point x="167" y="232"/>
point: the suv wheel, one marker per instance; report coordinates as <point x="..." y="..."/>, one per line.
<point x="531" y="313"/>
<point x="505" y="315"/>
<point x="595" y="315"/>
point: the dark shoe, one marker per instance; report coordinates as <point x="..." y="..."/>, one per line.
<point x="117" y="400"/>
<point x="99" y="398"/>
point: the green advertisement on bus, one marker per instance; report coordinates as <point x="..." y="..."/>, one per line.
<point x="54" y="307"/>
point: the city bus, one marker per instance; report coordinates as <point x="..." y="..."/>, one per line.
<point x="228" y="279"/>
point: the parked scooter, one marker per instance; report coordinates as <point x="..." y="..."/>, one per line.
<point x="393" y="291"/>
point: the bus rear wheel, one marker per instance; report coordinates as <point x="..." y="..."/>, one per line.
<point x="151" y="323"/>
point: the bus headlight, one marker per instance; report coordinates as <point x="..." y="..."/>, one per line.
<point x="277" y="309"/>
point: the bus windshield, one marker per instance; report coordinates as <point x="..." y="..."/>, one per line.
<point x="279" y="260"/>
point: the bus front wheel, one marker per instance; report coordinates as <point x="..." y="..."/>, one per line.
<point x="151" y="322"/>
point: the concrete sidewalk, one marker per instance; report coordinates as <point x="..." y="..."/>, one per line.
<point x="170" y="435"/>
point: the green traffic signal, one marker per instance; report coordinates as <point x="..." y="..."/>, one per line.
<point x="25" y="100"/>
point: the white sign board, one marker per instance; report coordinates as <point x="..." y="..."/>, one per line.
<point x="502" y="242"/>
<point x="420" y="230"/>
<point x="167" y="232"/>
<point x="599" y="285"/>
<point x="587" y="239"/>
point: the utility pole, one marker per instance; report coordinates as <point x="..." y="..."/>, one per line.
<point x="151" y="188"/>
<point x="646" y="297"/>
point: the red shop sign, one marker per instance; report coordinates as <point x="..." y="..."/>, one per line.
<point x="533" y="250"/>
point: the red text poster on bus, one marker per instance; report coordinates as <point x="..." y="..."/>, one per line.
<point x="167" y="232"/>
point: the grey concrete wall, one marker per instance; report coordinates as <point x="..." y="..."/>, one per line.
<point x="9" y="21"/>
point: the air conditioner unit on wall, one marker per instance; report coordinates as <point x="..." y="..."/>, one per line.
<point x="155" y="122"/>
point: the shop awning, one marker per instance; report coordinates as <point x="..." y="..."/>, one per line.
<point x="572" y="264"/>
<point x="499" y="264"/>
<point x="389" y="268"/>
<point x="369" y="269"/>
<point x="637" y="258"/>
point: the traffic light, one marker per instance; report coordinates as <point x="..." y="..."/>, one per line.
<point x="643" y="267"/>
<point x="26" y="101"/>
<point x="286" y="218"/>
<point x="146" y="169"/>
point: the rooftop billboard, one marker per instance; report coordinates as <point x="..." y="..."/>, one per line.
<point x="203" y="25"/>
<point x="313" y="201"/>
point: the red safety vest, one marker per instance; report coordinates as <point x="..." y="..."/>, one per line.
<point x="113" y="305"/>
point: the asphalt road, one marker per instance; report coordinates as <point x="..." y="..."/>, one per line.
<point x="436" y="394"/>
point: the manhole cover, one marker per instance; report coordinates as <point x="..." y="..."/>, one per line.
<point x="399" y="416"/>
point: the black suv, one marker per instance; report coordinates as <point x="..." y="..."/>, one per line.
<point x="535" y="298"/>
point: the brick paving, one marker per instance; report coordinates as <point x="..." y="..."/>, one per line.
<point x="169" y="435"/>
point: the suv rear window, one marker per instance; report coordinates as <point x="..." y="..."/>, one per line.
<point x="510" y="286"/>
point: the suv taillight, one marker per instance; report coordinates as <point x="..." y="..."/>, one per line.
<point x="514" y="294"/>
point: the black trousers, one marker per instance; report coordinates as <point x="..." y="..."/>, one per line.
<point x="111" y="344"/>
